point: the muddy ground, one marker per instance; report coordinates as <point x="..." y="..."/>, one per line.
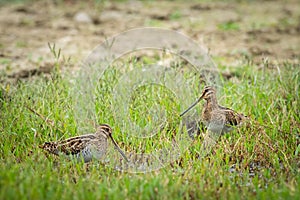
<point x="232" y="32"/>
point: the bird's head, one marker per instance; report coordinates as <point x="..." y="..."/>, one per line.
<point x="207" y="93"/>
<point x="105" y="129"/>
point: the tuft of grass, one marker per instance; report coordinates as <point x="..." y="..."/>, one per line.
<point x="227" y="26"/>
<point x="175" y="15"/>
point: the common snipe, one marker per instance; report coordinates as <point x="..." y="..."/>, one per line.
<point x="217" y="118"/>
<point x="84" y="147"/>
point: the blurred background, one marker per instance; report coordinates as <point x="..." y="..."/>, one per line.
<point x="233" y="31"/>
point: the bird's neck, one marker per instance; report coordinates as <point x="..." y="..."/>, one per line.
<point x="101" y="134"/>
<point x="212" y="103"/>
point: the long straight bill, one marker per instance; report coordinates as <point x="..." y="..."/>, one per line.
<point x="118" y="148"/>
<point x="187" y="110"/>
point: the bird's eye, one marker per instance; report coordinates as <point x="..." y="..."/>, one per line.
<point x="106" y="129"/>
<point x="206" y="90"/>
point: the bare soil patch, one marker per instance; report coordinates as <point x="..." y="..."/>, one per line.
<point x="231" y="31"/>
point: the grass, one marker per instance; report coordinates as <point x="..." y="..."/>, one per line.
<point x="261" y="161"/>
<point x="226" y="26"/>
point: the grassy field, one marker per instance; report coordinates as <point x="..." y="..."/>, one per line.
<point x="261" y="161"/>
<point x="254" y="46"/>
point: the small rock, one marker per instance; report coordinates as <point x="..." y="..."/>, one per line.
<point x="82" y="17"/>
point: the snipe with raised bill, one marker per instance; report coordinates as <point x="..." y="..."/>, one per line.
<point x="217" y="118"/>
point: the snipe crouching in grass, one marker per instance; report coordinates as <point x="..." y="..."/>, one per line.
<point x="84" y="147"/>
<point x="218" y="119"/>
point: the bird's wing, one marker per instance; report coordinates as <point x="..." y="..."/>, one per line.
<point x="233" y="118"/>
<point x="75" y="144"/>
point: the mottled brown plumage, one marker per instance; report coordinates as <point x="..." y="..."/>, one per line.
<point x="217" y="118"/>
<point x="84" y="147"/>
